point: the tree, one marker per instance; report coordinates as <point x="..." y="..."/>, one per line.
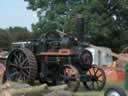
<point x="53" y="14"/>
<point x="108" y="23"/>
<point x="13" y="34"/>
<point x="106" y="20"/>
<point x="20" y="34"/>
<point x="5" y="39"/>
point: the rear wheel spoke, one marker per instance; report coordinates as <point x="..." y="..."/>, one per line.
<point x="21" y="57"/>
<point x="20" y="77"/>
<point x="25" y="71"/>
<point x="14" y="65"/>
<point x="16" y="61"/>
<point x="13" y="75"/>
<point x="24" y="62"/>
<point x="16" y="58"/>
<point x="26" y="68"/>
<point x="25" y="75"/>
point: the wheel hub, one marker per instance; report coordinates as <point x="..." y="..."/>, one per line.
<point x="113" y="93"/>
<point x="94" y="78"/>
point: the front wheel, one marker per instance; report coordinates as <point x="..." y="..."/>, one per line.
<point x="96" y="79"/>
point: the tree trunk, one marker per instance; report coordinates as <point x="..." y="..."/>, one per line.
<point x="30" y="91"/>
<point x="60" y="93"/>
<point x="7" y="90"/>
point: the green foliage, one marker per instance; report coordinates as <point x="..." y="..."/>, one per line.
<point x="20" y="34"/>
<point x="108" y="24"/>
<point x="13" y="34"/>
<point x="106" y="20"/>
<point x="5" y="39"/>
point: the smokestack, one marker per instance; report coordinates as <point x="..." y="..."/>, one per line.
<point x="80" y="24"/>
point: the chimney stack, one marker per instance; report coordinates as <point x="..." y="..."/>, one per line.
<point x="80" y="24"/>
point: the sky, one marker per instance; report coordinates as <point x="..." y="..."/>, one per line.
<point x="14" y="13"/>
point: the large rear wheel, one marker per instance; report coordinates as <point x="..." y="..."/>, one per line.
<point x="21" y="66"/>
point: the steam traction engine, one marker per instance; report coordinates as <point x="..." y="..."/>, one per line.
<point x="55" y="59"/>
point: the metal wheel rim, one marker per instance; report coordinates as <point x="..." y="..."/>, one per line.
<point x="16" y="65"/>
<point x="113" y="93"/>
<point x="97" y="84"/>
<point x="19" y="67"/>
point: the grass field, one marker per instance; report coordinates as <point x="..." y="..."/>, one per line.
<point x="84" y="92"/>
<point x="92" y="93"/>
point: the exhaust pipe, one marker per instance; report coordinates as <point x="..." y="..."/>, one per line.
<point x="80" y="24"/>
